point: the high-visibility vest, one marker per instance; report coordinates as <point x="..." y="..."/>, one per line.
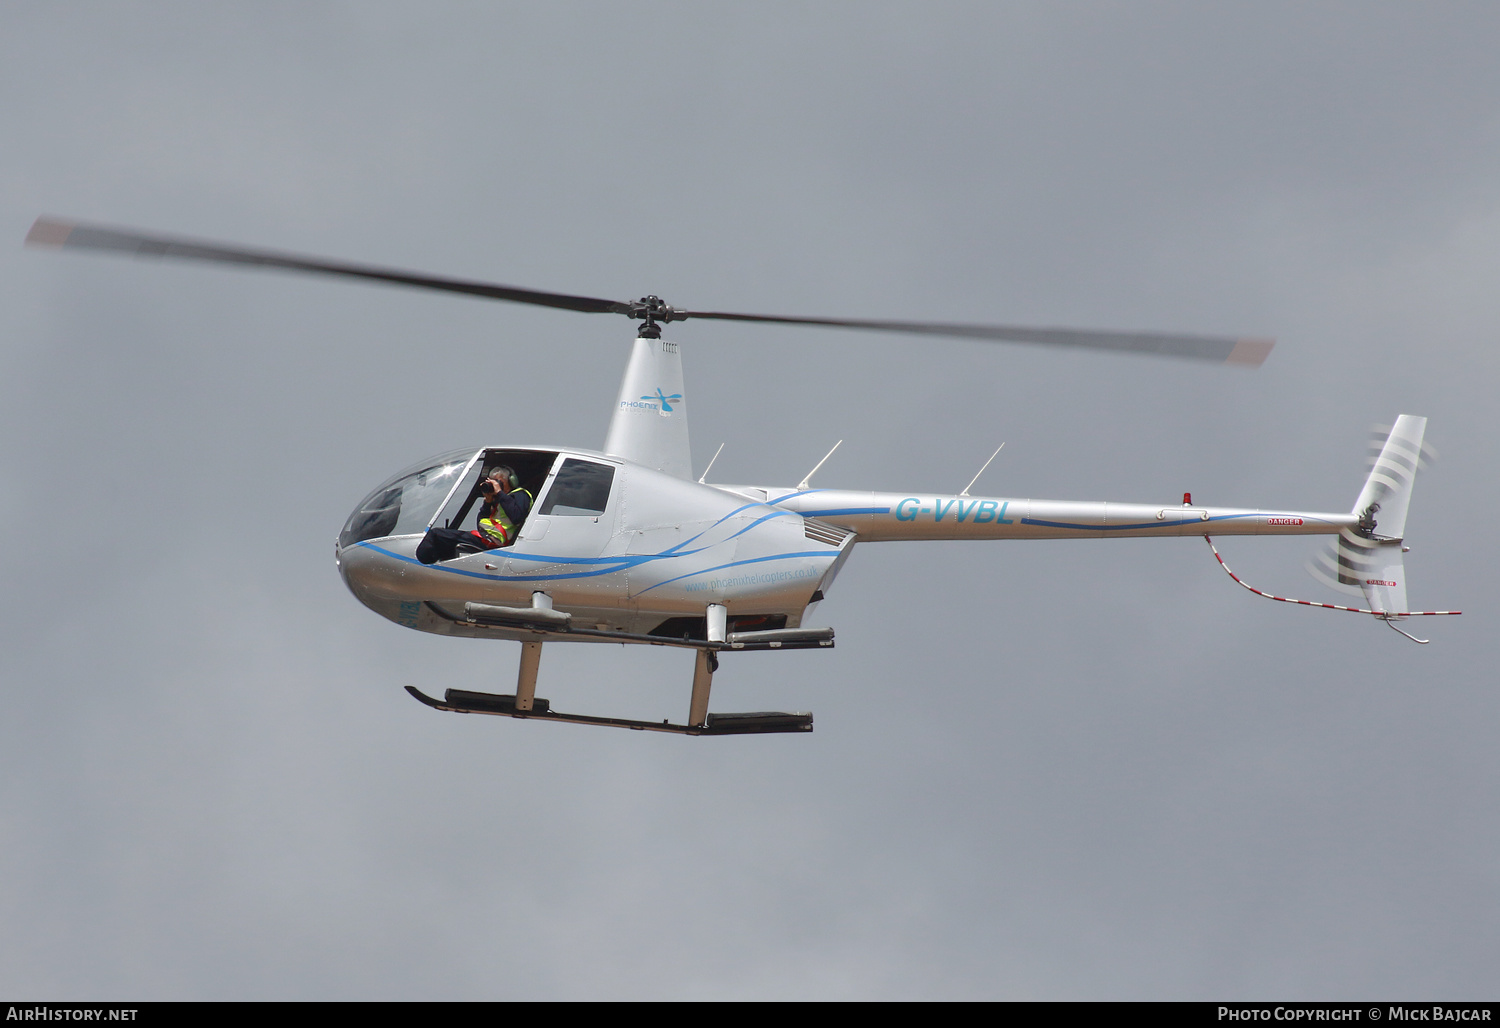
<point x="499" y="530"/>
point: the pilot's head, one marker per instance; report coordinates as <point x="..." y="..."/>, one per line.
<point x="503" y="479"/>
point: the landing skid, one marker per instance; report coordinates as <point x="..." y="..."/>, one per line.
<point x="541" y="622"/>
<point x="460" y="701"/>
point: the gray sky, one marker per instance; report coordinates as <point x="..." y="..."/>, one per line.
<point x="1050" y="770"/>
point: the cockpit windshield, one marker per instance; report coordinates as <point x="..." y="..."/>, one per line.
<point x="405" y="503"/>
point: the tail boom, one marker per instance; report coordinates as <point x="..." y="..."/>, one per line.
<point x="890" y="517"/>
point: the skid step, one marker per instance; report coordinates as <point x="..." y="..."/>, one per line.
<point x="761" y="721"/>
<point x="490" y="703"/>
<point x="781" y="639"/>
<point x="461" y="701"/>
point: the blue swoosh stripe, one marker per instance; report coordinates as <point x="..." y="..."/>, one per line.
<point x="1144" y="524"/>
<point x="619" y="564"/>
<point x="845" y="510"/>
<point x="716" y="524"/>
<point x="767" y="517"/>
<point x="623" y="562"/>
<point x="793" y="496"/>
<point x="738" y="563"/>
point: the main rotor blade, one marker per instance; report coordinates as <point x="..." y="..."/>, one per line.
<point x="72" y="235"/>
<point x="1222" y="349"/>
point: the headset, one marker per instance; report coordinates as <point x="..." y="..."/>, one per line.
<point x="507" y="474"/>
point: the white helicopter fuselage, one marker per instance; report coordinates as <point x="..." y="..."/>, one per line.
<point x="660" y="548"/>
<point x="627" y="543"/>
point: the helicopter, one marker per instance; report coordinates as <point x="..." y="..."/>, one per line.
<point x="624" y="545"/>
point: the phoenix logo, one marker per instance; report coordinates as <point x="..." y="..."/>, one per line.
<point x="665" y="400"/>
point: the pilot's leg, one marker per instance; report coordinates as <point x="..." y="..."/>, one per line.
<point x="441" y="544"/>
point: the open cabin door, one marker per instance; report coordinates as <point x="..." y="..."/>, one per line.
<point x="461" y="509"/>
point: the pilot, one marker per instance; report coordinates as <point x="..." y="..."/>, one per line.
<point x="505" y="507"/>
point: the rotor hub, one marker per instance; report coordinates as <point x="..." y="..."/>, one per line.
<point x="650" y="311"/>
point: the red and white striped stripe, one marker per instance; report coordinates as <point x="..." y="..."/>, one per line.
<point x="1384" y="615"/>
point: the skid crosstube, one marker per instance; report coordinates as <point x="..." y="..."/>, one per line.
<point x="461" y="701"/>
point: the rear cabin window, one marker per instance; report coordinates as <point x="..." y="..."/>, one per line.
<point x="580" y="488"/>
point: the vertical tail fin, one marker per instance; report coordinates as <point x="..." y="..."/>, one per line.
<point x="1387" y="491"/>
<point x="1370" y="556"/>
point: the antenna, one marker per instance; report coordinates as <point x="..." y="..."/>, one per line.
<point x="710" y="464"/>
<point x="981" y="470"/>
<point x="807" y="478"/>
